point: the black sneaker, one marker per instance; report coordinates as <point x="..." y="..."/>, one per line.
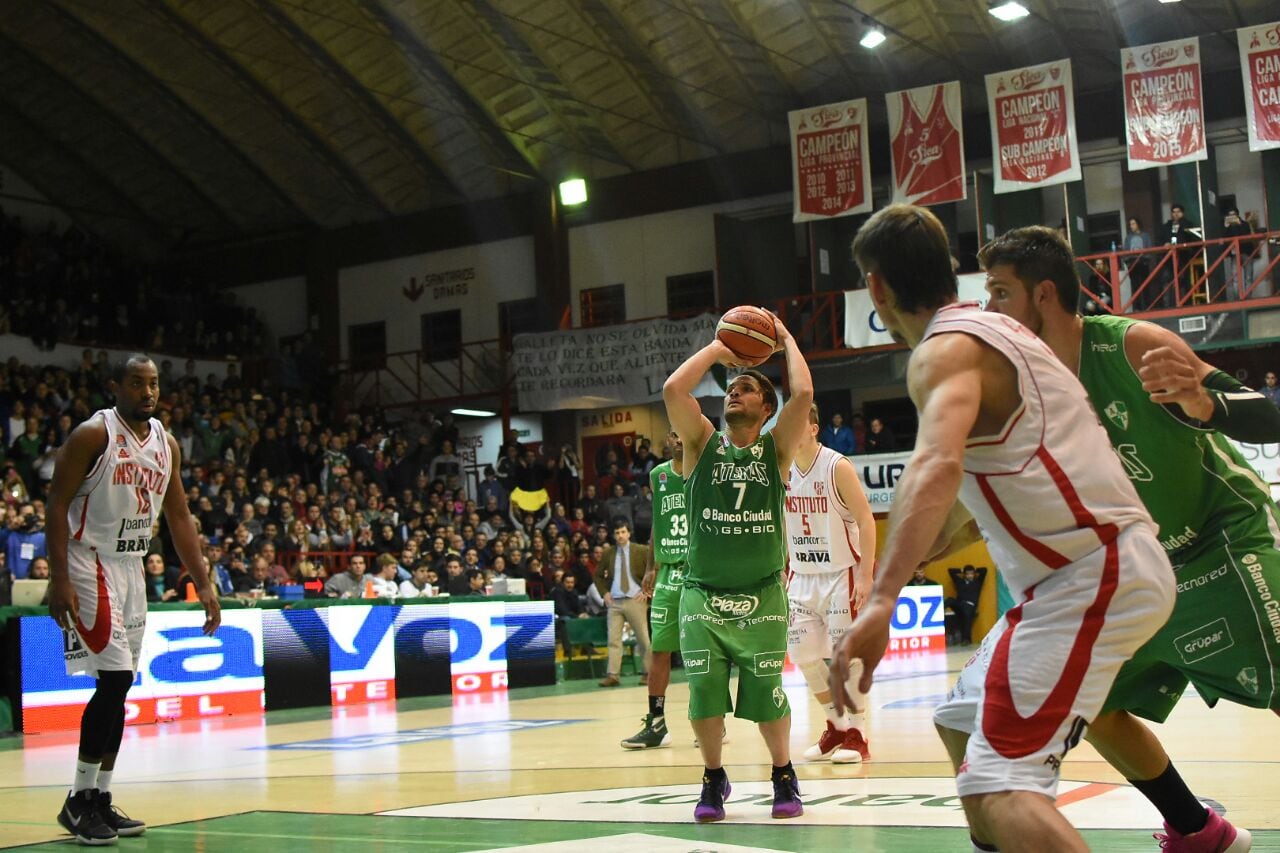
<point x="710" y="806"/>
<point x="80" y="817"/>
<point x="124" y="825"/>
<point x="786" y="796"/>
<point x="653" y="734"/>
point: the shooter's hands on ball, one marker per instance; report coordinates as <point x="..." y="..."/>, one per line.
<point x="782" y="333"/>
<point x="64" y="604"/>
<point x="866" y="640"/>
<point x="728" y="357"/>
<point x="1170" y="379"/>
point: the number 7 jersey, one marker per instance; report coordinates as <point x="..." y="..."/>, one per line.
<point x="116" y="507"/>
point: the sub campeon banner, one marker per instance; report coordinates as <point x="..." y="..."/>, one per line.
<point x="927" y="144"/>
<point x="1260" y="67"/>
<point x="1033" y="126"/>
<point x="1163" y="106"/>
<point x="830" y="161"/>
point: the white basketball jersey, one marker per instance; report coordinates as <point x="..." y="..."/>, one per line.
<point x="822" y="535"/>
<point x="116" y="507"/>
<point x="1048" y="489"/>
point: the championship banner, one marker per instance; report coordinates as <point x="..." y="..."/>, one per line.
<point x="1163" y="107"/>
<point x="1260" y="67"/>
<point x="607" y="366"/>
<point x="830" y="161"/>
<point x="862" y="326"/>
<point x="1033" y="126"/>
<point x="927" y="144"/>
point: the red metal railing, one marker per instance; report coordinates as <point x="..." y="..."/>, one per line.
<point x="407" y="379"/>
<point x="1188" y="275"/>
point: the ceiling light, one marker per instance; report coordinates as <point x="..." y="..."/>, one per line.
<point x="573" y="191"/>
<point x="874" y="38"/>
<point x="1009" y="11"/>
<point x="473" y="413"/>
<point x="1170" y="1"/>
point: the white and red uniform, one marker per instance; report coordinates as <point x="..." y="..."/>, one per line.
<point x="1078" y="551"/>
<point x="823" y="554"/>
<point x="111" y="519"/>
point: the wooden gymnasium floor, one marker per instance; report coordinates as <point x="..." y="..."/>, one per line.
<point x="541" y="770"/>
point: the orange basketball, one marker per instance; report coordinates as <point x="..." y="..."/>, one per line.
<point x="749" y="332"/>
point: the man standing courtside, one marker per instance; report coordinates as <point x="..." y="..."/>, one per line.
<point x="111" y="477"/>
<point x="1168" y="415"/>
<point x="620" y="582"/>
<point x="734" y="608"/>
<point x="1006" y="428"/>
<point x="664" y="583"/>
<point x="831" y="542"/>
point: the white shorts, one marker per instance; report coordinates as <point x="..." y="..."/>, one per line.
<point x="1044" y="671"/>
<point x="821" y="611"/>
<point x="113" y="613"/>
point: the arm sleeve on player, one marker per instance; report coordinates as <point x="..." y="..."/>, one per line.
<point x="1239" y="412"/>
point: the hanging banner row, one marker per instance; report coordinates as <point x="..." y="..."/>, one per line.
<point x="1033" y="127"/>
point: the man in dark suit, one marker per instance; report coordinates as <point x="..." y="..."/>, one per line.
<point x="619" y="580"/>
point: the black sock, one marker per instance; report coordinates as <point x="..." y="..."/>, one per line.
<point x="1174" y="800"/>
<point x="982" y="845"/>
<point x="786" y="768"/>
<point x="717" y="775"/>
<point x="656" y="704"/>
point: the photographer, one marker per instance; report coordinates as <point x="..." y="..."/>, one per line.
<point x="25" y="541"/>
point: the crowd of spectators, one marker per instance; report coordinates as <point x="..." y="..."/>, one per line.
<point x="285" y="493"/>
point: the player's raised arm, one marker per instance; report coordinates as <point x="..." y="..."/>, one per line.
<point x="793" y="420"/>
<point x="86" y="443"/>
<point x="1174" y="375"/>
<point x="682" y="407"/>
<point x="187" y="541"/>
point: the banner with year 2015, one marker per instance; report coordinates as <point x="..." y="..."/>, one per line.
<point x="830" y="161"/>
<point x="1033" y="126"/>
<point x="1260" y="66"/>
<point x="1163" y="103"/>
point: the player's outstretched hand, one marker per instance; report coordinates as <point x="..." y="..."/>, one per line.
<point x="64" y="604"/>
<point x="212" y="610"/>
<point x="647" y="584"/>
<point x="1170" y="379"/>
<point x="866" y="641"/>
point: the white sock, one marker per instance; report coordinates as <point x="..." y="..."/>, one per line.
<point x="104" y="781"/>
<point x="86" y="776"/>
<point x="839" y="721"/>
<point x="856" y="721"/>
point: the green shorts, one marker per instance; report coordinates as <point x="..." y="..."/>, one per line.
<point x="1223" y="636"/>
<point x="747" y="627"/>
<point x="664" y="612"/>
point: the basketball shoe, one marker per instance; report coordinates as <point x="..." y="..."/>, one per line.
<point x="80" y="817"/>
<point x="125" y="826"/>
<point x="786" y="794"/>
<point x="710" y="807"/>
<point x="839" y="747"/>
<point x="1218" y="836"/>
<point x="653" y="734"/>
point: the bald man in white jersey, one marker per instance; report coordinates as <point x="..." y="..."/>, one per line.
<point x="831" y="548"/>
<point x="1010" y="432"/>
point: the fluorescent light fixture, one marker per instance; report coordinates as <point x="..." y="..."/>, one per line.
<point x="1170" y="1"/>
<point x="573" y="191"/>
<point x="874" y="38"/>
<point x="1009" y="11"/>
<point x="473" y="413"/>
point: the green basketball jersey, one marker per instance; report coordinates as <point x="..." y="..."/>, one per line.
<point x="670" y="515"/>
<point x="1193" y="481"/>
<point x="736" y="534"/>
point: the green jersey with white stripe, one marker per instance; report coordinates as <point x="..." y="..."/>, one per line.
<point x="1192" y="480"/>
<point x="670" y="515"/>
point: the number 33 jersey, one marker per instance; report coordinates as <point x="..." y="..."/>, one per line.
<point x="116" y="507"/>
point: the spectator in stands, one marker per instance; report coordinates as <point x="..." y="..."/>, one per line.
<point x="158" y="587"/>
<point x="838" y="436"/>
<point x="456" y="579"/>
<point x="880" y="439"/>
<point x="620" y="505"/>
<point x="276" y="573"/>
<point x="570" y="475"/>
<point x="25" y="541"/>
<point x="642" y="462"/>
<point x="1138" y="266"/>
<point x="1270" y="389"/>
<point x="475" y="582"/>
<point x="1177" y="231"/>
<point x="383" y="580"/>
<point x="968" y="586"/>
<point x="492" y="487"/>
<point x="348" y="584"/>
<point x="919" y="578"/>
<point x="256" y="583"/>
<point x="1238" y="264"/>
<point x="643" y="514"/>
<point x="568" y="605"/>
<point x="446" y="464"/>
<point x="419" y="584"/>
<point x="591" y="505"/>
<point x="219" y="574"/>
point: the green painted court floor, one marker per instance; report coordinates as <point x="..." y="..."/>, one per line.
<point x="278" y="832"/>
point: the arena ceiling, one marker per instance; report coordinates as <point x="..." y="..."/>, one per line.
<point x="163" y="124"/>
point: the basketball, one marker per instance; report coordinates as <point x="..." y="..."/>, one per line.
<point x="749" y="332"/>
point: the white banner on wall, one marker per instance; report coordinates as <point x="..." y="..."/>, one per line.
<point x="862" y="326"/>
<point x="879" y="474"/>
<point x="607" y="366"/>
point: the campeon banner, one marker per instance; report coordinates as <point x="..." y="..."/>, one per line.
<point x="927" y="144"/>
<point x="830" y="161"/>
<point x="1260" y="67"/>
<point x="1163" y="104"/>
<point x="1033" y="126"/>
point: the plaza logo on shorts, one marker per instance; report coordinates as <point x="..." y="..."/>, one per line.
<point x="1205" y="641"/>
<point x="769" y="663"/>
<point x="697" y="661"/>
<point x="731" y="606"/>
